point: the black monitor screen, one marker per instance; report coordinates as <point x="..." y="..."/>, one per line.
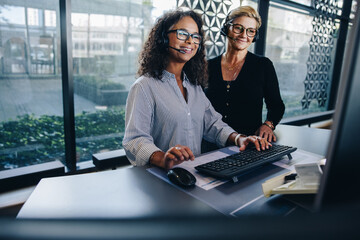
<point x="340" y="183"/>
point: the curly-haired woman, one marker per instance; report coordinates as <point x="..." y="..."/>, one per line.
<point x="167" y="112"/>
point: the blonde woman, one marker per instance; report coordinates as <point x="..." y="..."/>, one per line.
<point x="239" y="81"/>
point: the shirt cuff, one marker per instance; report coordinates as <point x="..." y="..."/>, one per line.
<point x="224" y="135"/>
<point x="144" y="155"/>
<point x="141" y="157"/>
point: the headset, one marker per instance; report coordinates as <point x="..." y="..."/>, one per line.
<point x="225" y="28"/>
<point x="164" y="38"/>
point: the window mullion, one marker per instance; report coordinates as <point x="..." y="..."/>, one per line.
<point x="67" y="84"/>
<point x="339" y="54"/>
<point x="263" y="10"/>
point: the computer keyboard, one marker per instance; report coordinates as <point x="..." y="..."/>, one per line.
<point x="233" y="165"/>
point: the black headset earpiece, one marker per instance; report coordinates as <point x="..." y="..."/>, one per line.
<point x="165" y="39"/>
<point x="256" y="37"/>
<point x="223" y="30"/>
<point x="225" y="27"/>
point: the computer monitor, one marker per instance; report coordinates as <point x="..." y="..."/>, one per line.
<point x="340" y="184"/>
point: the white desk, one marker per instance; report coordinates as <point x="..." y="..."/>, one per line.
<point x="122" y="193"/>
<point x="309" y="139"/>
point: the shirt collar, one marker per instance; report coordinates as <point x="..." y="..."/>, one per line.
<point x="167" y="76"/>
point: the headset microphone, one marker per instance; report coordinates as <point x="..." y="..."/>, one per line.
<point x="179" y="50"/>
<point x="234" y="39"/>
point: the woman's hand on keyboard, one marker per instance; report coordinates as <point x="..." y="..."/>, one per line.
<point x="267" y="133"/>
<point x="259" y="142"/>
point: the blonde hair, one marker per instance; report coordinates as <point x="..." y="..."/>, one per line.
<point x="246" y="11"/>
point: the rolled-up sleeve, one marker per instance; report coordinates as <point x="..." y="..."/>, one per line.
<point x="137" y="142"/>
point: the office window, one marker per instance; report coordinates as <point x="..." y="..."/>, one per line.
<point x="106" y="38"/>
<point x="50" y="18"/>
<point x="290" y="44"/>
<point x="33" y="16"/>
<point x="31" y="115"/>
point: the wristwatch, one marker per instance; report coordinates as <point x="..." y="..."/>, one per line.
<point x="270" y="124"/>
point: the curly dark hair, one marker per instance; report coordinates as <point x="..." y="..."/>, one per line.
<point x="154" y="57"/>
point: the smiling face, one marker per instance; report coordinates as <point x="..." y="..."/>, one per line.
<point x="188" y="47"/>
<point x="243" y="41"/>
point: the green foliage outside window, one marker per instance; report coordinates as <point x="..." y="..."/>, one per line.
<point x="98" y="82"/>
<point x="31" y="140"/>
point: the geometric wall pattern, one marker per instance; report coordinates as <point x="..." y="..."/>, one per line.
<point x="214" y="13"/>
<point x="319" y="63"/>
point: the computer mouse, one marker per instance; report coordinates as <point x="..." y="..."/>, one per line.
<point x="181" y="177"/>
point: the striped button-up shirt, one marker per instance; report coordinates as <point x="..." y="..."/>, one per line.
<point x="158" y="117"/>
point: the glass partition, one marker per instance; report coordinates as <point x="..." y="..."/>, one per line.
<point x="31" y="112"/>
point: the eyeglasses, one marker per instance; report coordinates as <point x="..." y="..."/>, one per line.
<point x="184" y="35"/>
<point x="238" y="28"/>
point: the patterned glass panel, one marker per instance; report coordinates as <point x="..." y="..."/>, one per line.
<point x="319" y="63"/>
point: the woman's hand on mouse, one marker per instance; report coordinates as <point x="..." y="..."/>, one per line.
<point x="259" y="142"/>
<point x="176" y="155"/>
